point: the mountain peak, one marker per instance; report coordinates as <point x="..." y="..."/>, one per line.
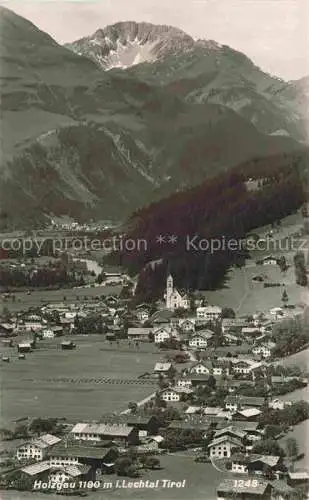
<point x="128" y="43"/>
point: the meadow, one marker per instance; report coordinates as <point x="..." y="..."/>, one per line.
<point x="39" y="297"/>
<point x="72" y="384"/>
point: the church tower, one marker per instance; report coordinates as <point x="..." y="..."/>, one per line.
<point x="169" y="290"/>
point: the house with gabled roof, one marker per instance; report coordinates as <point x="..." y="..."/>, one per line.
<point x="224" y="446"/>
<point x="247" y="414"/>
<point x="163" y="368"/>
<point x="200" y="368"/>
<point x="256" y="464"/>
<point x="162" y="334"/>
<point x="97" y="457"/>
<point x="235" y="402"/>
<point x="187" y="325"/>
<point x="200" y="339"/>
<point x="253" y="429"/>
<point x="141" y="334"/>
<point x="231" y="431"/>
<point x="98" y="432"/>
<point x="174" y="394"/>
<point x="36" y="449"/>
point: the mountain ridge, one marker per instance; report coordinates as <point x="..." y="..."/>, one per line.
<point x="96" y="143"/>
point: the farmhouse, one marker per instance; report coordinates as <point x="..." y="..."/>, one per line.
<point x="250" y="414"/>
<point x="264" y="350"/>
<point x="233" y="403"/>
<point x="71" y="454"/>
<point x="244" y="366"/>
<point x="148" y="424"/>
<point x="200" y="368"/>
<point x="142" y="314"/>
<point x="251" y="428"/>
<point x="185" y="381"/>
<point x="233" y="324"/>
<point x="68" y="473"/>
<point x="174" y="394"/>
<point x="200" y="340"/>
<point x="230" y="431"/>
<point x="37" y="448"/>
<point x="161" y="334"/>
<point x="186" y="325"/>
<point x="119" y="433"/>
<point x="264" y="464"/>
<point x="141" y="334"/>
<point x="56" y="474"/>
<point x="165" y="369"/>
<point x="211" y="313"/>
<point x="224" y="446"/>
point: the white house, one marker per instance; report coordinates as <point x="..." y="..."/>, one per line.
<point x="174" y="299"/>
<point x="200" y="368"/>
<point x="210" y="313"/>
<point x="174" y="394"/>
<point x="37" y="448"/>
<point x="245" y="366"/>
<point x="240" y="463"/>
<point x="187" y="325"/>
<point x="224" y="446"/>
<point x="142" y="315"/>
<point x="184" y="381"/>
<point x="200" y="340"/>
<point x="162" y="334"/>
<point x="263" y="350"/>
<point x="48" y="333"/>
<point x="279" y="404"/>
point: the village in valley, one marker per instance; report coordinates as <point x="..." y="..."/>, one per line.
<point x="104" y="396"/>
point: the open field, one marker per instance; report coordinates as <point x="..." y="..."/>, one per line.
<point x="301" y="434"/>
<point x="55" y="383"/>
<point x="247" y="297"/>
<point x="300" y="359"/>
<point x="39" y="297"/>
<point x="201" y="481"/>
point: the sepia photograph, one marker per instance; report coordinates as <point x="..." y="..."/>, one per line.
<point x="154" y="249"/>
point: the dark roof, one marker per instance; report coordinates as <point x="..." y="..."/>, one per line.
<point x="127" y="419"/>
<point x="245" y="400"/>
<point x="79" y="451"/>
<point x="189" y="424"/>
<point x="245" y="426"/>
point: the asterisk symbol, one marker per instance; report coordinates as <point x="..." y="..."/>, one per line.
<point x="160" y="239"/>
<point x="172" y="239"/>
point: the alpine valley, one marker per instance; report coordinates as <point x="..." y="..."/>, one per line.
<point x="129" y="115"/>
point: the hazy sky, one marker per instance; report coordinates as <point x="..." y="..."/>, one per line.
<point x="273" y="33"/>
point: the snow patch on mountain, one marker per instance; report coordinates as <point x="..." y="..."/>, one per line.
<point x="126" y="44"/>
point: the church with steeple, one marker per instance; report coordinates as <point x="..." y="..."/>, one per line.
<point x="175" y="299"/>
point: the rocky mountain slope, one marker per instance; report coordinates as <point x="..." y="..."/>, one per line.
<point x="96" y="143"/>
<point x="200" y="71"/>
<point x="126" y="44"/>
